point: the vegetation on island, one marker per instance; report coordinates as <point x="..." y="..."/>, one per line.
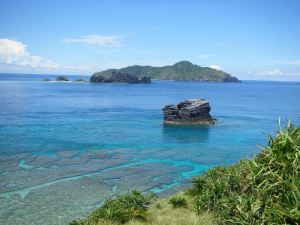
<point x="261" y="190"/>
<point x="183" y="70"/>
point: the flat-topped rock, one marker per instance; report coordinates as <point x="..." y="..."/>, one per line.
<point x="189" y="112"/>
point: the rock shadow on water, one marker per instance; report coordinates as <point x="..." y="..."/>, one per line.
<point x="184" y="134"/>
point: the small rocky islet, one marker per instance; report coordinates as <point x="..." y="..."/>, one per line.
<point x="189" y="112"/>
<point x="62" y="78"/>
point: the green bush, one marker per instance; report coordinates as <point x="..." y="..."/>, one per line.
<point x="121" y="209"/>
<point x="264" y="190"/>
<point x="178" y="202"/>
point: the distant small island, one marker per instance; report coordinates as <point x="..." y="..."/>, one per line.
<point x="184" y="70"/>
<point x="62" y="78"/>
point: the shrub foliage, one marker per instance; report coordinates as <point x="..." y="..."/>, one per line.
<point x="132" y="205"/>
<point x="264" y="190"/>
<point x="178" y="201"/>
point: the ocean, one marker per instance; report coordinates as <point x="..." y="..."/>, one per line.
<point x="65" y="147"/>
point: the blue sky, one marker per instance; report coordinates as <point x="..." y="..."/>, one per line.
<point x="249" y="39"/>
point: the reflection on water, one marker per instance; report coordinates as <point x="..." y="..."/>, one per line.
<point x="184" y="134"/>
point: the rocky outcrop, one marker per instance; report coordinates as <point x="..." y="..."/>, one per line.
<point x="80" y="80"/>
<point x="189" y="112"/>
<point x="97" y="78"/>
<point x="228" y="78"/>
<point x="62" y="78"/>
<point x="119" y="77"/>
<point x="145" y="80"/>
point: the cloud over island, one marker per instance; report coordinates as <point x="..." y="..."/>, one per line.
<point x="100" y="40"/>
<point x="216" y="67"/>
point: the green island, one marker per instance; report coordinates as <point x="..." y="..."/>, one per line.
<point x="261" y="190"/>
<point x="183" y="70"/>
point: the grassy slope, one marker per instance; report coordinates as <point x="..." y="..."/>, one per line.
<point x="183" y="70"/>
<point x="263" y="190"/>
<point x="161" y="212"/>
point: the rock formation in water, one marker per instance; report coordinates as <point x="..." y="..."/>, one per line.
<point x="119" y="77"/>
<point x="145" y="80"/>
<point x="80" y="80"/>
<point x="62" y="78"/>
<point x="97" y="78"/>
<point x="189" y="112"/>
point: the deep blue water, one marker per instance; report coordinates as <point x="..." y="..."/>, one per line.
<point x="37" y="116"/>
<point x="44" y="118"/>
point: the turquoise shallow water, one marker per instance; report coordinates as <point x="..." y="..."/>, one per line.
<point x="81" y="143"/>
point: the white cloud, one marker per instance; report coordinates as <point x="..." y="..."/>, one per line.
<point x="11" y="50"/>
<point x="15" y="57"/>
<point x="100" y="40"/>
<point x="216" y="67"/>
<point x="273" y="72"/>
<point x="37" y="61"/>
<point x="15" y="53"/>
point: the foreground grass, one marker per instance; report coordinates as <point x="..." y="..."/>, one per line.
<point x="263" y="190"/>
<point x="163" y="213"/>
<point x="160" y="212"/>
